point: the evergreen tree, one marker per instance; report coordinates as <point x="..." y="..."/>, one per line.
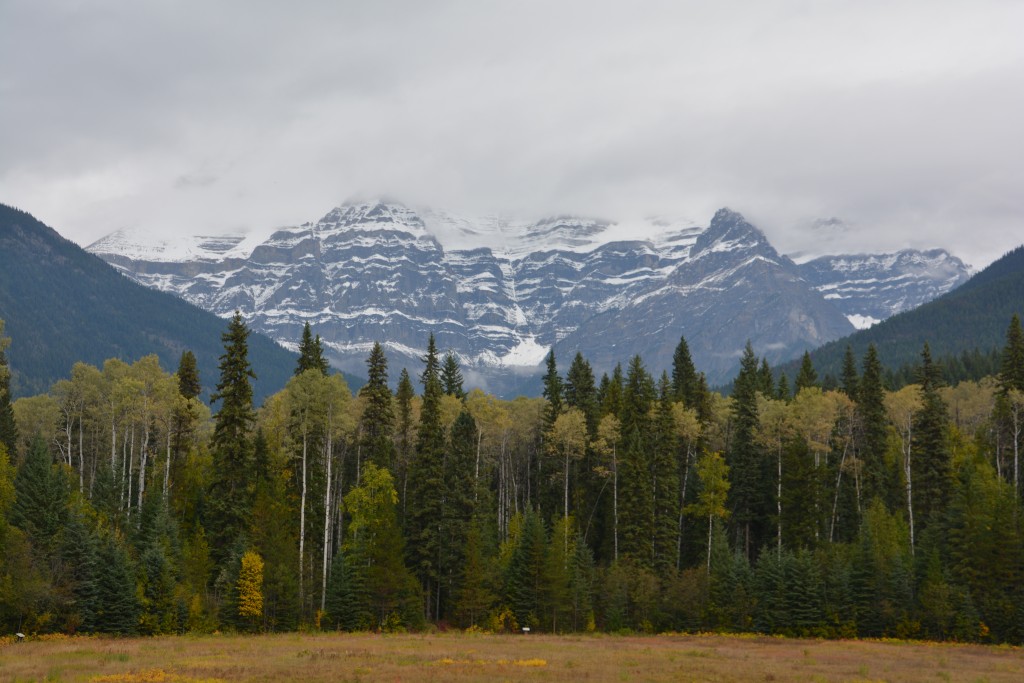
<point x="684" y="375"/>
<point x="748" y="502"/>
<point x="233" y="483"/>
<point x="524" y="581"/>
<point x="117" y="606"/>
<point x="783" y="393"/>
<point x="41" y="491"/>
<point x="348" y="605"/>
<point x="188" y="376"/>
<point x="426" y="482"/>
<point x="765" y="379"/>
<point x="580" y="391"/>
<point x="378" y="422"/>
<point x="458" y="505"/>
<point x="932" y="461"/>
<point x="872" y="439"/>
<point x="636" y="496"/>
<point x="1011" y="372"/>
<point x="807" y="376"/>
<point x="552" y="391"/>
<point x="849" y="379"/>
<point x="78" y="552"/>
<point x="474" y="597"/>
<point x="311" y="353"/>
<point x="665" y="480"/>
<point x="403" y="439"/>
<point x="8" y="428"/>
<point x="611" y="396"/>
<point x="451" y="377"/>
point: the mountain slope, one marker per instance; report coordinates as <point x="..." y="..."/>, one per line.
<point x="973" y="316"/>
<point x="62" y="305"/>
<point x="501" y="292"/>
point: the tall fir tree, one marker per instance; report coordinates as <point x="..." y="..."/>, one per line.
<point x="311" y="353"/>
<point x="233" y="481"/>
<point x="746" y="467"/>
<point x="665" y="481"/>
<point x="849" y="381"/>
<point x="1011" y="371"/>
<point x="451" y="377"/>
<point x="377" y="425"/>
<point x="765" y="379"/>
<point x="552" y="391"/>
<point x="117" y="603"/>
<point x="189" y="385"/>
<point x="404" y="427"/>
<point x="8" y="427"/>
<point x="807" y="376"/>
<point x="458" y="508"/>
<point x="580" y="391"/>
<point x="872" y="440"/>
<point x="636" y="495"/>
<point x="932" y="462"/>
<point x="425" y="507"/>
<point x="684" y="375"/>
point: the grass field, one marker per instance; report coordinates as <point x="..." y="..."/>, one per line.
<point x="460" y="657"/>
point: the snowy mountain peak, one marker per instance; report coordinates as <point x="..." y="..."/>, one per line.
<point x="729" y="231"/>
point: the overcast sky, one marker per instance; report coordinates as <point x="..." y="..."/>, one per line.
<point x="903" y="119"/>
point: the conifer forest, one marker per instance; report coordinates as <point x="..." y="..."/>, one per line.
<point x="638" y="501"/>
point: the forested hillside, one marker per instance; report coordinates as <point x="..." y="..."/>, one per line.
<point x="65" y="305"/>
<point x="964" y="327"/>
<point x="637" y="501"/>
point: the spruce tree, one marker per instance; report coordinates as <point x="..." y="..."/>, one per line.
<point x="524" y="579"/>
<point x="765" y="379"/>
<point x="1011" y="372"/>
<point x="665" y="481"/>
<point x="403" y="439"/>
<point x="451" y="377"/>
<point x="849" y="380"/>
<point x="78" y="553"/>
<point x="782" y="392"/>
<point x="746" y="467"/>
<point x="474" y="597"/>
<point x="8" y="428"/>
<point x="458" y="506"/>
<point x="932" y="460"/>
<point x="348" y="605"/>
<point x="311" y="353"/>
<point x="231" y="490"/>
<point x="188" y="376"/>
<point x="807" y="376"/>
<point x="41" y="491"/>
<point x="684" y="375"/>
<point x="552" y="391"/>
<point x="426" y="483"/>
<point x="872" y="438"/>
<point x="580" y="391"/>
<point x="117" y="605"/>
<point x="378" y="421"/>
<point x="611" y="395"/>
<point x="636" y="494"/>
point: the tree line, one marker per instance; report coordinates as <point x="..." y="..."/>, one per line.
<point x="631" y="502"/>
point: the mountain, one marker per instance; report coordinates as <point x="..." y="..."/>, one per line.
<point x="62" y="305"/>
<point x="501" y="292"/>
<point x="972" y="316"/>
<point x="872" y="287"/>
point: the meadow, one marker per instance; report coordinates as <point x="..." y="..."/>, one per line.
<point x="491" y="658"/>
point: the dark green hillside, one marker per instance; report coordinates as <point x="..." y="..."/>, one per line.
<point x="64" y="305"/>
<point x="972" y="317"/>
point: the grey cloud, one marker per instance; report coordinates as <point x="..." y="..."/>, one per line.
<point x="900" y="118"/>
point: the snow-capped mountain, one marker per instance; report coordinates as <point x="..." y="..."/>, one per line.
<point x="501" y="292"/>
<point x="869" y="288"/>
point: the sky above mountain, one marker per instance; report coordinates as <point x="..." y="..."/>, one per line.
<point x="901" y="119"/>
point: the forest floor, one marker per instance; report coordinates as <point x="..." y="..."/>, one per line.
<point x="494" y="658"/>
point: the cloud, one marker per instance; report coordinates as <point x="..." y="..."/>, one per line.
<point x="900" y="121"/>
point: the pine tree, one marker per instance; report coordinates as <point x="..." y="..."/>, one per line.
<point x="807" y="376"/>
<point x="1011" y="372"/>
<point x="403" y="439"/>
<point x="748" y="503"/>
<point x="524" y="581"/>
<point x="378" y="422"/>
<point x="311" y="353"/>
<point x="932" y="461"/>
<point x="765" y="379"/>
<point x="426" y="482"/>
<point x="665" y="479"/>
<point x="231" y="489"/>
<point x="78" y="552"/>
<point x="348" y="605"/>
<point x="474" y="597"/>
<point x="552" y="391"/>
<point x="636" y="495"/>
<point x="611" y="395"/>
<point x="580" y="391"/>
<point x="117" y="608"/>
<point x="684" y="375"/>
<point x="451" y="377"/>
<point x="849" y="379"/>
<point x="188" y="376"/>
<point x="8" y="428"/>
<point x="458" y="505"/>
<point x="872" y="439"/>
<point x="782" y="393"/>
<point x="41" y="492"/>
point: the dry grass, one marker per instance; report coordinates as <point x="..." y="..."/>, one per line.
<point x="463" y="657"/>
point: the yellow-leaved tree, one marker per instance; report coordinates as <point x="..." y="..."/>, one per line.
<point x="250" y="587"/>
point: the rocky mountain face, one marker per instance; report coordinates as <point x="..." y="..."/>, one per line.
<point x="872" y="287"/>
<point x="501" y="293"/>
